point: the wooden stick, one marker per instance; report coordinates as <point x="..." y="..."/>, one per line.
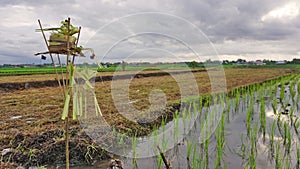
<point x="53" y="63"/>
<point x="62" y="74"/>
<point x="164" y="158"/>
<point x="73" y="60"/>
<point x="61" y="52"/>
<point x="69" y="92"/>
<point x="68" y="51"/>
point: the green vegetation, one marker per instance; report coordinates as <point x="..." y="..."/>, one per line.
<point x="26" y="71"/>
<point x="109" y="67"/>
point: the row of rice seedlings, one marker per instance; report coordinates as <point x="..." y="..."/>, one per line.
<point x="249" y="116"/>
<point x="252" y="133"/>
<point x="198" y="161"/>
<point x="287" y="138"/>
<point x="220" y="136"/>
<point x="262" y="117"/>
<point x="284" y="129"/>
<point x="272" y="139"/>
<point x="237" y="101"/>
<point x="253" y="150"/>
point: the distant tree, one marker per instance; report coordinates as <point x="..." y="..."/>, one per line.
<point x="123" y="65"/>
<point x="241" y="60"/>
<point x="295" y="61"/>
<point x="225" y="62"/>
<point x="193" y="64"/>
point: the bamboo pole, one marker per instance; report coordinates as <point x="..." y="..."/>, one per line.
<point x="76" y="43"/>
<point x="62" y="74"/>
<point x="68" y="92"/>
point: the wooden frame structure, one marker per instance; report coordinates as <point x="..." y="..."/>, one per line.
<point x="61" y="50"/>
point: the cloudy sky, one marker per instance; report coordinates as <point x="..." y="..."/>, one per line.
<point x="248" y="29"/>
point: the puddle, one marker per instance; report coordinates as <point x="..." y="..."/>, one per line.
<point x="236" y="136"/>
<point x="30" y="120"/>
<point x="15" y="117"/>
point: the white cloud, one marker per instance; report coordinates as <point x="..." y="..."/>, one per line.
<point x="284" y="13"/>
<point x="17" y="16"/>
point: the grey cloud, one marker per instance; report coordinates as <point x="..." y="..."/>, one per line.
<point x="235" y="20"/>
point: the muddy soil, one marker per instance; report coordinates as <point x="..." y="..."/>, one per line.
<point x="49" y="148"/>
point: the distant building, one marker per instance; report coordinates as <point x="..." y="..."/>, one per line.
<point x="259" y="62"/>
<point x="281" y="62"/>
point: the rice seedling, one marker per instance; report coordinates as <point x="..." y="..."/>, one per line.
<point x="272" y="137"/>
<point x="274" y="103"/>
<point x="189" y="150"/>
<point x="206" y="151"/>
<point x="227" y="110"/>
<point x="195" y="110"/>
<point x="287" y="163"/>
<point x="285" y="133"/>
<point x="120" y="138"/>
<point x="249" y="116"/>
<point x="184" y="117"/>
<point x="253" y="151"/>
<point x="289" y="141"/>
<point x="200" y="108"/>
<point x="278" y="157"/>
<point x="133" y="147"/>
<point x="243" y="149"/>
<point x="195" y="163"/>
<point x="298" y="88"/>
<point x="298" y="158"/>
<point x="31" y="154"/>
<point x="176" y="127"/>
<point x="159" y="162"/>
<point x="90" y="148"/>
<point x="237" y="101"/>
<point x="292" y="90"/>
<point x="279" y="125"/>
<point x="296" y="126"/>
<point x="291" y="115"/>
<point x="282" y="91"/>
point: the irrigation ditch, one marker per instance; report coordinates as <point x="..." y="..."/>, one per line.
<point x="53" y="83"/>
